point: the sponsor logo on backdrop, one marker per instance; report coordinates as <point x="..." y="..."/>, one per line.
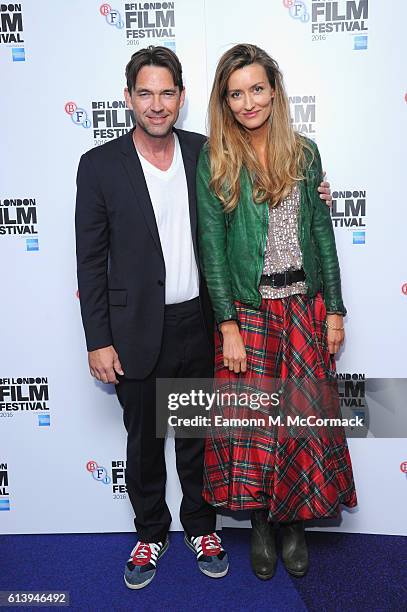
<point x="78" y="115"/>
<point x="403" y="468"/>
<point x="349" y="213"/>
<point x="330" y="17"/>
<point x="32" y="244"/>
<point x="352" y="389"/>
<point x="297" y="9"/>
<point x="27" y="395"/>
<point x="352" y="393"/>
<point x="143" y="23"/>
<point x="360" y="43"/>
<point x="342" y="16"/>
<point x="359" y="238"/>
<point x="11" y="30"/>
<point x="18" y="217"/>
<point x="108" y="119"/>
<point x="404" y="288"/>
<point x="112" y="16"/>
<point x="4" y="489"/>
<point x="302" y="110"/>
<point x="152" y="20"/>
<point x="115" y="482"/>
<point x="98" y="472"/>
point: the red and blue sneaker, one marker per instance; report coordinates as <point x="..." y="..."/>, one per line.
<point x="212" y="558"/>
<point x="141" y="567"/>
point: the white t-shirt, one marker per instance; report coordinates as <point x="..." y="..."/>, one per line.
<point x="169" y="196"/>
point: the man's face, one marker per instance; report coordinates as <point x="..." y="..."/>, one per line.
<point x="155" y="101"/>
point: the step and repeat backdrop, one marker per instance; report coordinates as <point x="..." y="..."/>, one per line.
<point x="62" y="442"/>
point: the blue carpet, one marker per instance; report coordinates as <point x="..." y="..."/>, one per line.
<point x="355" y="572"/>
<point x="348" y="572"/>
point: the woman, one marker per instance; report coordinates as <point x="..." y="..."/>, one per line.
<point x="267" y="251"/>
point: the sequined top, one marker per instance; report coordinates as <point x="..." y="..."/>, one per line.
<point x="282" y="250"/>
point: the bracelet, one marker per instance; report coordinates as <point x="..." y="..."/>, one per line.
<point x="334" y="328"/>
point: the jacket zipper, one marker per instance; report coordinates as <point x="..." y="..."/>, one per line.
<point x="263" y="246"/>
<point x="300" y="224"/>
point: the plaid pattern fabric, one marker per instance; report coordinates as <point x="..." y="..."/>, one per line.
<point x="301" y="477"/>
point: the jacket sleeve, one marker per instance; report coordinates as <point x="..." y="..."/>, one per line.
<point x="212" y="244"/>
<point x="92" y="247"/>
<point x="324" y="237"/>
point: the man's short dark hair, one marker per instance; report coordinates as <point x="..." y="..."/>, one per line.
<point x="154" y="56"/>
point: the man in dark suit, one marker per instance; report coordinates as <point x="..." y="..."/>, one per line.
<point x="142" y="308"/>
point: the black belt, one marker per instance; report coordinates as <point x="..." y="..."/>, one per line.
<point x="282" y="279"/>
<point x="182" y="308"/>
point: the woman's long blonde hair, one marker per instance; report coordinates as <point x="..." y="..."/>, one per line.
<point x="229" y="144"/>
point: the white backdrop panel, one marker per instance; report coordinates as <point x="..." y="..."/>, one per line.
<point x="350" y="100"/>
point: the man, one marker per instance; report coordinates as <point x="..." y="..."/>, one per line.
<point x="144" y="307"/>
<point x="139" y="286"/>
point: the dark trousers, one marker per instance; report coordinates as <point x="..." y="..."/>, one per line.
<point x="185" y="353"/>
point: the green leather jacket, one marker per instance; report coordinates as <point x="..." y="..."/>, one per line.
<point x="232" y="244"/>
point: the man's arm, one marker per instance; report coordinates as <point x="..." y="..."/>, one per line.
<point x="92" y="246"/>
<point x="92" y="250"/>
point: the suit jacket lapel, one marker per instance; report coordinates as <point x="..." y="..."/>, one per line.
<point x="136" y="177"/>
<point x="190" y="161"/>
<point x="138" y="182"/>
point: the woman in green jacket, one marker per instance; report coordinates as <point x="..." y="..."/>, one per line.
<point x="269" y="258"/>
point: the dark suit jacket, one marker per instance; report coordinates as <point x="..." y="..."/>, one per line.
<point x="120" y="264"/>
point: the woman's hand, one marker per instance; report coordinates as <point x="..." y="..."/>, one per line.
<point x="325" y="191"/>
<point x="234" y="352"/>
<point x="336" y="333"/>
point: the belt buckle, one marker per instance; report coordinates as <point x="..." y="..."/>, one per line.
<point x="276" y="285"/>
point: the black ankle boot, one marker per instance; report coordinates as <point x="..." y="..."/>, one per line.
<point x="263" y="546"/>
<point x="295" y="551"/>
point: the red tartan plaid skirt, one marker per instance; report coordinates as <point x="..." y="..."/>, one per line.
<point x="295" y="477"/>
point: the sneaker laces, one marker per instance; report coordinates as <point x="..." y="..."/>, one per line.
<point x="208" y="545"/>
<point x="145" y="552"/>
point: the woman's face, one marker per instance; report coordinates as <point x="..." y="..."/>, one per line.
<point x="250" y="96"/>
